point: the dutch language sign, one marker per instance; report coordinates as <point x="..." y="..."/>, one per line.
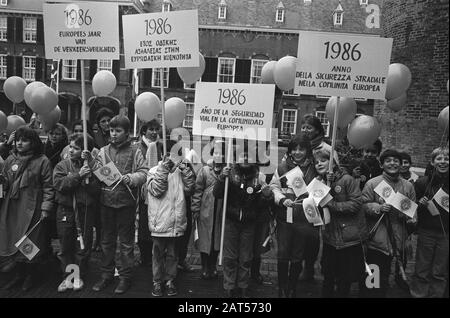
<point x="163" y="39"/>
<point x="81" y="30"/>
<point x="342" y="65"/>
<point x="231" y="110"/>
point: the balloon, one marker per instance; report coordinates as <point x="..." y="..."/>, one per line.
<point x="346" y="110"/>
<point x="50" y="119"/>
<point x="14" y="87"/>
<point x="43" y="100"/>
<point x="190" y="75"/>
<point x="3" y="122"/>
<point x="29" y="90"/>
<point x="103" y="83"/>
<point x="398" y="80"/>
<point x="363" y="131"/>
<point x="14" y="122"/>
<point x="147" y="106"/>
<point x="175" y="110"/>
<point x="443" y="119"/>
<point x="267" y="73"/>
<point x="397" y="104"/>
<point x="284" y="72"/>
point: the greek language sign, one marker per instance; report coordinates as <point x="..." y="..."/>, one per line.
<point x="342" y="65"/>
<point x="81" y="30"/>
<point x="231" y="110"/>
<point x="162" y="39"/>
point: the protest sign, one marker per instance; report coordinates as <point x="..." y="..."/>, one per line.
<point x="161" y="39"/>
<point x="346" y="65"/>
<point x="234" y="110"/>
<point x="108" y="174"/>
<point x="81" y="30"/>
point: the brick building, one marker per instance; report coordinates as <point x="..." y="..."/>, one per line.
<point x="236" y="37"/>
<point x="420" y="33"/>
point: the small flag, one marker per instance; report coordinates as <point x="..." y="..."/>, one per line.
<point x="295" y="181"/>
<point x="325" y="200"/>
<point x="385" y="191"/>
<point x="311" y="212"/>
<point x="108" y="174"/>
<point x="27" y="247"/>
<point x="317" y="190"/>
<point x="403" y="204"/>
<point x="441" y="198"/>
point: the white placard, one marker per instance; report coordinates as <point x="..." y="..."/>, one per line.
<point x="232" y="110"/>
<point x="342" y="65"/>
<point x="81" y="30"/>
<point x="161" y="39"/>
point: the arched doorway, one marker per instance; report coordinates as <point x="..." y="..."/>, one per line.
<point x="95" y="103"/>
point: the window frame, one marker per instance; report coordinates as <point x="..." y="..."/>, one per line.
<point x="3" y="66"/>
<point x="30" y="68"/>
<point x="363" y="2"/>
<point x="99" y="61"/>
<point x="222" y="58"/>
<point x="223" y="10"/>
<point x="64" y="69"/>
<point x="191" y="87"/>
<point x="341" y="18"/>
<point x="189" y="114"/>
<point x="156" y="73"/>
<point x="279" y="10"/>
<point x="252" y="69"/>
<point x="166" y="7"/>
<point x="30" y="31"/>
<point x="4" y="29"/>
<point x="283" y="121"/>
<point x="326" y="125"/>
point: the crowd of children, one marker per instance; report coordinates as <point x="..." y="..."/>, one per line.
<point x="58" y="190"/>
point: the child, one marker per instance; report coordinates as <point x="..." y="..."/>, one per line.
<point x="118" y="203"/>
<point x="294" y="236"/>
<point x="27" y="182"/>
<point x="76" y="208"/>
<point x="431" y="273"/>
<point x="404" y="168"/>
<point x="152" y="150"/>
<point x="207" y="212"/>
<point x="168" y="184"/>
<point x="389" y="235"/>
<point x="342" y="255"/>
<point x="246" y="193"/>
<point x="370" y="166"/>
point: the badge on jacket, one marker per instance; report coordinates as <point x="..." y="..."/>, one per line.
<point x="250" y="190"/>
<point x="14" y="167"/>
<point x="337" y="189"/>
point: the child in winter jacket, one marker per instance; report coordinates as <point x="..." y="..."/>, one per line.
<point x="75" y="214"/>
<point x="168" y="184"/>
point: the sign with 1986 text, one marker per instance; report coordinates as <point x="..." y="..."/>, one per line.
<point x="162" y="39"/>
<point x="81" y="30"/>
<point x="344" y="65"/>
<point x="234" y="110"/>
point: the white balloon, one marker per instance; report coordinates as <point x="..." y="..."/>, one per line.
<point x="284" y="72"/>
<point x="147" y="106"/>
<point x="346" y="110"/>
<point x="267" y="73"/>
<point x="175" y="111"/>
<point x="190" y="75"/>
<point x="103" y="83"/>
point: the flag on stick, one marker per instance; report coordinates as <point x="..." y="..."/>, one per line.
<point x="441" y="198"/>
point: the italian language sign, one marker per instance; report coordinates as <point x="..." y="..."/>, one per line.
<point x="81" y="30"/>
<point x="342" y="65"/>
<point x="231" y="110"/>
<point x="162" y="39"/>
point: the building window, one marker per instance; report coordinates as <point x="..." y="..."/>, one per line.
<point x="255" y="75"/>
<point x="363" y="2"/>
<point x="188" y="119"/>
<point x="279" y="16"/>
<point x="166" y="6"/>
<point x="3" y="28"/>
<point x="324" y="121"/>
<point x="191" y="87"/>
<point x="222" y="10"/>
<point x="225" y="70"/>
<point x="156" y="77"/>
<point x="29" y="68"/>
<point x="3" y="67"/>
<point x="104" y="65"/>
<point x="338" y="15"/>
<point x="29" y="30"/>
<point x="4" y="3"/>
<point x="289" y="122"/>
<point x="307" y="1"/>
<point x="290" y="93"/>
<point x="69" y="69"/>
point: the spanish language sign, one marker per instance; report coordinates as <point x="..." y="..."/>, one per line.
<point x="231" y="110"/>
<point x="342" y="65"/>
<point x="162" y="39"/>
<point x="81" y="30"/>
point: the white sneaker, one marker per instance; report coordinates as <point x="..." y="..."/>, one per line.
<point x="78" y="284"/>
<point x="64" y="286"/>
